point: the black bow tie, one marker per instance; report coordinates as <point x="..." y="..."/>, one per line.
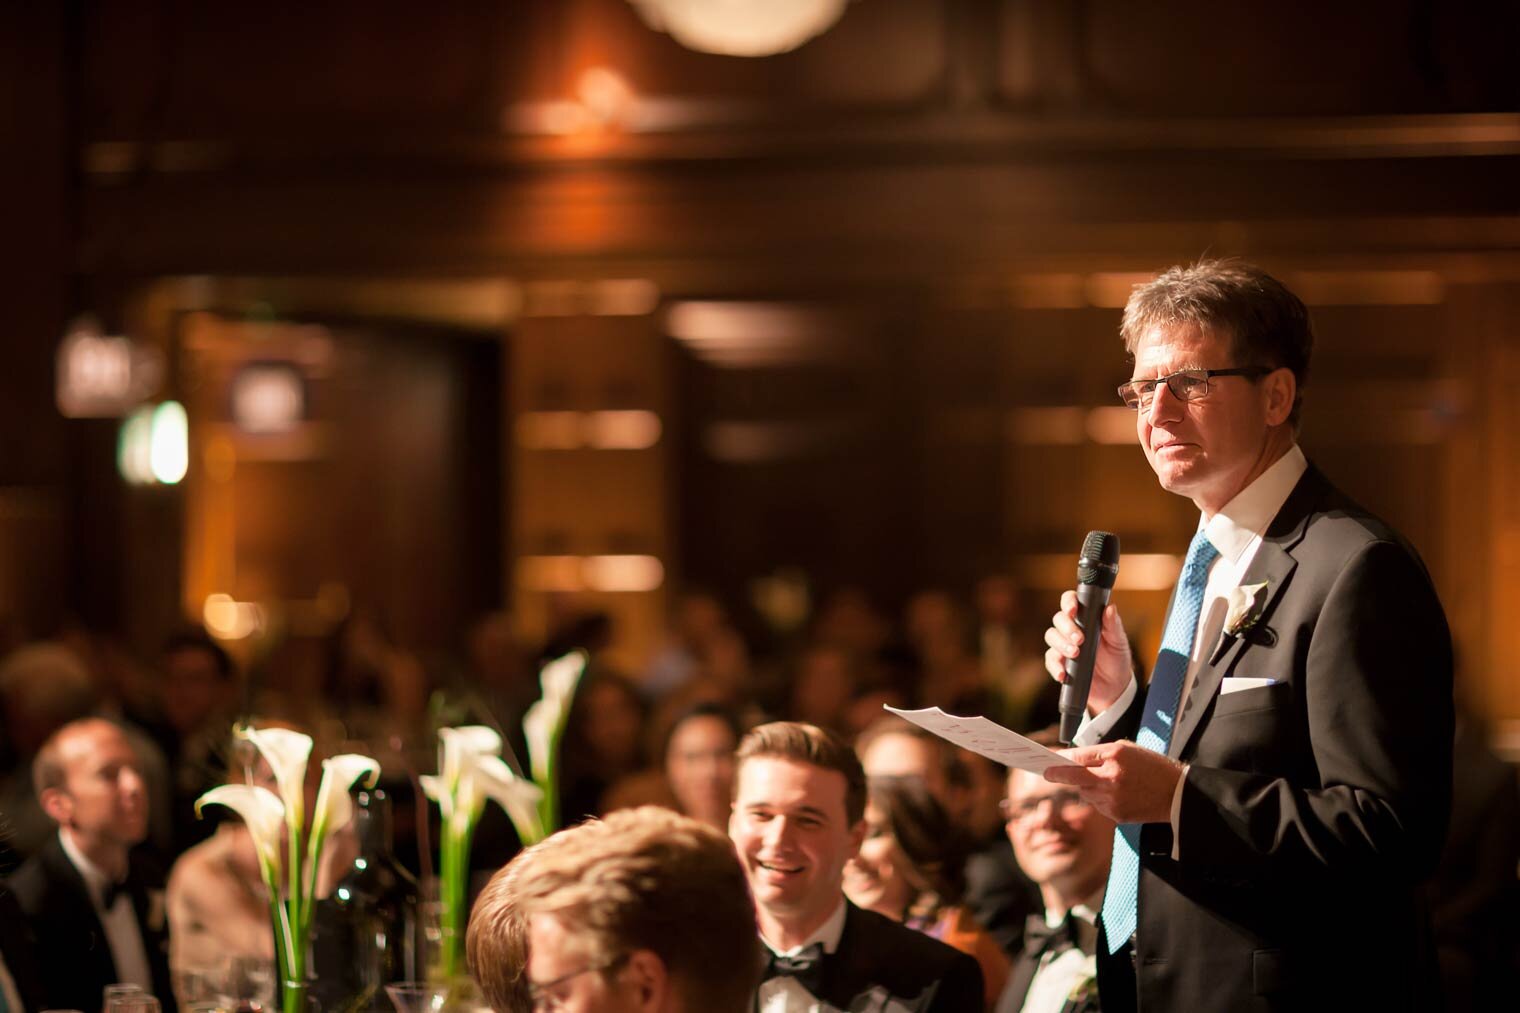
<point x="806" y="967"/>
<point x="110" y="892"/>
<point x="1041" y="938"/>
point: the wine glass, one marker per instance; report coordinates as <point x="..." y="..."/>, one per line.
<point x="417" y="996"/>
<point x="142" y="1002"/>
<point x="114" y="994"/>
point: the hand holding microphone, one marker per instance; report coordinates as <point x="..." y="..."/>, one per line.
<point x="1088" y="650"/>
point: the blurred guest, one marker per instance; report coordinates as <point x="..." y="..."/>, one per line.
<point x="1063" y="844"/>
<point x="368" y="676"/>
<point x="96" y="911"/>
<point x="699" y="763"/>
<point x="909" y="868"/>
<point x="191" y="720"/>
<point x="604" y="742"/>
<point x="939" y="635"/>
<point x="699" y="622"/>
<point x="697" y="774"/>
<point x="645" y="910"/>
<point x="999" y="896"/>
<point x="1013" y="659"/>
<point x="21" y="989"/>
<point x="43" y="687"/>
<point x="500" y="683"/>
<point x="218" y="905"/>
<point x="823" y="686"/>
<point x="849" y="621"/>
<point x="798" y="818"/>
<point x="893" y="747"/>
<point x="217" y="902"/>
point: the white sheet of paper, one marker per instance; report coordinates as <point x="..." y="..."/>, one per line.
<point x="990" y="739"/>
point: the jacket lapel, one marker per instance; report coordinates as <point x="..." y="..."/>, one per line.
<point x="1274" y="564"/>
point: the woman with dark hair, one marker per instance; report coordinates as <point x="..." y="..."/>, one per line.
<point x="910" y="869"/>
<point x="604" y="743"/>
<point x="696" y="772"/>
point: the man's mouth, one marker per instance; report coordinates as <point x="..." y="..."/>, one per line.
<point x="780" y="868"/>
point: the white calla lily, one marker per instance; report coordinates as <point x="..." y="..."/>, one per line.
<point x="559" y="677"/>
<point x="286" y="752"/>
<point x="433" y="787"/>
<point x="339" y="773"/>
<point x="263" y="814"/>
<point x="461" y="744"/>
<point x="520" y="798"/>
<point x="539" y="726"/>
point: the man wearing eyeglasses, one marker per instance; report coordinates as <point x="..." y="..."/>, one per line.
<point x="645" y="911"/>
<point x="1062" y="843"/>
<point x="1283" y="782"/>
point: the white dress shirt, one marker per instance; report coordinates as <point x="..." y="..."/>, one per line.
<point x="123" y="934"/>
<point x="785" y="994"/>
<point x="1236" y="531"/>
<point x="1060" y="974"/>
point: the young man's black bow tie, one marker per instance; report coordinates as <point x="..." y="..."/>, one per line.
<point x="806" y="967"/>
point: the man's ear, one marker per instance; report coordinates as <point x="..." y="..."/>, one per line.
<point x="648" y="980"/>
<point x="58" y="805"/>
<point x="1280" y="388"/>
<point x="857" y="837"/>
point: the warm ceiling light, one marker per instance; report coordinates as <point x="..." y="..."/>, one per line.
<point x="604" y="94"/>
<point x="268" y="397"/>
<point x="741" y="27"/>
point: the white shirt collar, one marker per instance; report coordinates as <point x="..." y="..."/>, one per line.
<point x="94" y="877"/>
<point x="829" y="934"/>
<point x="1086" y="910"/>
<point x="1246" y="517"/>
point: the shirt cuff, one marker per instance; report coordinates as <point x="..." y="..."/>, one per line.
<point x="1177" y="813"/>
<point x="1095" y="726"/>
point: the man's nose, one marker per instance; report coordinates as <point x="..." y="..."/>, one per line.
<point x="1164" y="404"/>
<point x="778" y="831"/>
<point x="132" y="781"/>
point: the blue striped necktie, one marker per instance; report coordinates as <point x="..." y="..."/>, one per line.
<point x="1120" y="899"/>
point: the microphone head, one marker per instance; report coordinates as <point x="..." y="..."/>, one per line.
<point x="1099" y="563"/>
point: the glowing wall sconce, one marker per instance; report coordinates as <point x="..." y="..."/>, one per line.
<point x="153" y="446"/>
<point x="100" y="375"/>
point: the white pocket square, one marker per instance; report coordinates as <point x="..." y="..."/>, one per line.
<point x="1228" y="686"/>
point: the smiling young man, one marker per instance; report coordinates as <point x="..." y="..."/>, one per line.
<point x="799" y="816"/>
<point x="1291" y="756"/>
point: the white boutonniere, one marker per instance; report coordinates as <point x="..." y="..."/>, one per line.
<point x="1244" y="607"/>
<point x="1086" y="985"/>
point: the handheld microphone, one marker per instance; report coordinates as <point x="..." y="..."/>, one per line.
<point x="1096" y="570"/>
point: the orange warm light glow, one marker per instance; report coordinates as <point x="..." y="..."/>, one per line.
<point x="604" y="430"/>
<point x="228" y="619"/>
<point x="590" y="573"/>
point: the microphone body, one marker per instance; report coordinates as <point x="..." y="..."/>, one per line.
<point x="1096" y="571"/>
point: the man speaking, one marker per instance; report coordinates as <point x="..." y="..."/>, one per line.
<point x="1282" y="783"/>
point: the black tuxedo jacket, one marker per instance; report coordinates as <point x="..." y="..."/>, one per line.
<point x="1314" y="805"/>
<point x="73" y="957"/>
<point x="879" y="960"/>
<point x="20" y="953"/>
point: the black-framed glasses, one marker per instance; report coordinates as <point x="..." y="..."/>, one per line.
<point x="1185" y="384"/>
<point x="542" y="997"/>
<point x="1064" y="803"/>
